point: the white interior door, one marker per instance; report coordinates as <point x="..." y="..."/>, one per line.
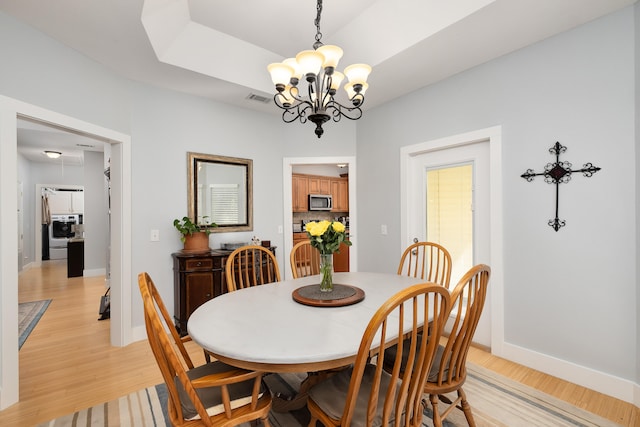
<point x="448" y="203"/>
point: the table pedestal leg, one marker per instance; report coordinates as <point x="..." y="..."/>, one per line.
<point x="281" y="403"/>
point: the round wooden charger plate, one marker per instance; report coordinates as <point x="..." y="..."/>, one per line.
<point x="342" y="295"/>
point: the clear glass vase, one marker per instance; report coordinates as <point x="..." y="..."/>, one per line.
<point x="326" y="272"/>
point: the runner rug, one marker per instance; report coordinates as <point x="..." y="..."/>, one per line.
<point x="29" y="313"/>
<point x="495" y="400"/>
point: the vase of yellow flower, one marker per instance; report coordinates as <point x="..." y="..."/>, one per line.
<point x="326" y="236"/>
<point x="326" y="272"/>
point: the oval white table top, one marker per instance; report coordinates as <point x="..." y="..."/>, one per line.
<point x="263" y="328"/>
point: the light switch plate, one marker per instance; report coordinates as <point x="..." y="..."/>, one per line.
<point x="155" y="235"/>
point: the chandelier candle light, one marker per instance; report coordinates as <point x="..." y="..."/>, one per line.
<point x="326" y="237"/>
<point x="318" y="67"/>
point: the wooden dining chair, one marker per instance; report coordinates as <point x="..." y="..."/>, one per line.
<point x="428" y="261"/>
<point x="367" y="395"/>
<point x="305" y="260"/>
<point x="449" y="371"/>
<point x="251" y="265"/>
<point x="213" y="394"/>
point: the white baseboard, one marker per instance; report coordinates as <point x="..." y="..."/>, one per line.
<point x="595" y="380"/>
<point x="138" y="333"/>
<point x="27" y="266"/>
<point x="94" y="272"/>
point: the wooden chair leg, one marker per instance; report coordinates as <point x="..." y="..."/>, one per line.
<point x="466" y="408"/>
<point x="437" y="421"/>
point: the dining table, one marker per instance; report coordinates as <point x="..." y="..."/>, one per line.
<point x="264" y="328"/>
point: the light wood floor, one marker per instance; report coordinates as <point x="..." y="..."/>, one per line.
<point x="67" y="364"/>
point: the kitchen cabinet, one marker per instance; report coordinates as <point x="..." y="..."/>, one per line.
<point x="303" y="185"/>
<point x="77" y="201"/>
<point x="60" y="202"/>
<point x="299" y="237"/>
<point x="319" y="185"/>
<point x="198" y="277"/>
<point x="341" y="259"/>
<point x="340" y="194"/>
<point x="65" y="202"/>
<point x="300" y="193"/>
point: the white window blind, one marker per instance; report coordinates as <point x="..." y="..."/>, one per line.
<point x="224" y="203"/>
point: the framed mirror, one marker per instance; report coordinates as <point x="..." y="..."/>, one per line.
<point x="221" y="191"/>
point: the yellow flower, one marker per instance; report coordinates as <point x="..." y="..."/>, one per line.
<point x="326" y="236"/>
<point x="338" y="227"/>
<point x="317" y="228"/>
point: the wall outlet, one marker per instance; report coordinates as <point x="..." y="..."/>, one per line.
<point x="383" y="229"/>
<point x="155" y="235"/>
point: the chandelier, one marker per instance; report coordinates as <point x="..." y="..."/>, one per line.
<point x="318" y="68"/>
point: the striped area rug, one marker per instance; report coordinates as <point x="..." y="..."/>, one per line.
<point x="29" y="314"/>
<point x="496" y="401"/>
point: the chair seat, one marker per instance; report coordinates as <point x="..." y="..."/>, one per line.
<point x="211" y="397"/>
<point x="390" y="355"/>
<point x="330" y="395"/>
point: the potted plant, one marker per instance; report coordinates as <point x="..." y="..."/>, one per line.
<point x="194" y="236"/>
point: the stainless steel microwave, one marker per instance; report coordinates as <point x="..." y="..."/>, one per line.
<point x="320" y="202"/>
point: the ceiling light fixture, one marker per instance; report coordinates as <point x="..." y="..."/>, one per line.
<point x="318" y="69"/>
<point x="52" y="154"/>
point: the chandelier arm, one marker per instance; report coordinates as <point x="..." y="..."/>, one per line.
<point x="315" y="102"/>
<point x="326" y="90"/>
<point x="299" y="111"/>
<point x="294" y="94"/>
<point x="338" y="111"/>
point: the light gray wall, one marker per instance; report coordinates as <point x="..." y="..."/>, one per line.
<point x="163" y="126"/>
<point x="95" y="213"/>
<point x="564" y="291"/>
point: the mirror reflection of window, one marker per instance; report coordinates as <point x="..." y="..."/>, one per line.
<point x="225" y="203"/>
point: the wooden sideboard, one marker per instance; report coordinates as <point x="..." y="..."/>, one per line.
<point x="197" y="278"/>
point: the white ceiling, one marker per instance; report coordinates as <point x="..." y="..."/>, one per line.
<point x="219" y="49"/>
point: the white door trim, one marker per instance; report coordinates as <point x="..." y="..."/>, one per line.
<point x="287" y="170"/>
<point x="120" y="321"/>
<point x="494" y="136"/>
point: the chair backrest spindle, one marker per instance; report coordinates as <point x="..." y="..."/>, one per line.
<point x="251" y="266"/>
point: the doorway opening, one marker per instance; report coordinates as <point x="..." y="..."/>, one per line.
<point x="120" y="328"/>
<point x="287" y="172"/>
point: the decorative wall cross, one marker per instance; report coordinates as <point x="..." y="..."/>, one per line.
<point x="558" y="173"/>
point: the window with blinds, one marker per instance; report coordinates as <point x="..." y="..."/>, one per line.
<point x="224" y="203"/>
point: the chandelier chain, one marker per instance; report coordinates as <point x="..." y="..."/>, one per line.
<point x="318" y="43"/>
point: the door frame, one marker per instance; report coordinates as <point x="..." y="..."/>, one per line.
<point x="287" y="171"/>
<point x="493" y="135"/>
<point x="120" y="324"/>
